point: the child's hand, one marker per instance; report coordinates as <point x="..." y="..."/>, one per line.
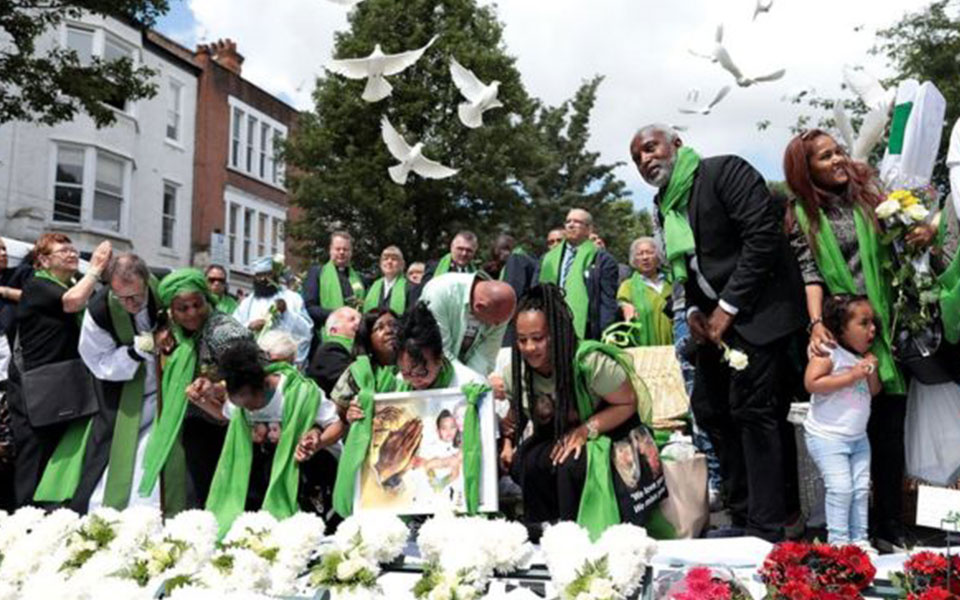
<point x="865" y="367"/>
<point x="273" y="432"/>
<point x="308" y="446"/>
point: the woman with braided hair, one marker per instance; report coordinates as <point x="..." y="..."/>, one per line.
<point x="576" y="421"/>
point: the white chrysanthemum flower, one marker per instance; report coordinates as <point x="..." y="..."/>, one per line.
<point x="566" y="546"/>
<point x="382" y="536"/>
<point x="887" y="209"/>
<point x="297" y="537"/>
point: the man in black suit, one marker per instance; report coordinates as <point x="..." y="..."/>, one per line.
<point x="600" y="275"/>
<point x="514" y="266"/>
<point x="334" y="355"/>
<point x="725" y="241"/>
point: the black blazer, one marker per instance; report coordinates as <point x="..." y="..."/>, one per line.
<point x="522" y="273"/>
<point x="601" y="279"/>
<point x="743" y="252"/>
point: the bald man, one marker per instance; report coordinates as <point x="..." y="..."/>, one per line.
<point x="473" y="313"/>
<point x="334" y="355"/>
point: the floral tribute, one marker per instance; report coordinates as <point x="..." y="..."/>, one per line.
<point x="702" y="583"/>
<point x="804" y="571"/>
<point x="925" y="577"/>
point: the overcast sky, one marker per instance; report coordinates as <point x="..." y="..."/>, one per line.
<point x="639" y="45"/>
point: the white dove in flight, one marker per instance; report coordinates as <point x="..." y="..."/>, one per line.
<point x="762" y="7"/>
<point x="705" y="110"/>
<point x="720" y="55"/>
<point x="375" y="67"/>
<point x="480" y="96"/>
<point x="870" y="134"/>
<point x="411" y="158"/>
<point x="868" y="88"/>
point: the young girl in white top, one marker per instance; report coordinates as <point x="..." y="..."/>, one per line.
<point x="841" y="386"/>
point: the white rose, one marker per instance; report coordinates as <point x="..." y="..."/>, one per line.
<point x="915" y="212"/>
<point x="349" y="567"/>
<point x="738" y="360"/>
<point x="887" y="209"/>
<point x="143" y="342"/>
<point x="278" y="258"/>
<point x="466" y="592"/>
<point x="601" y="587"/>
<point x="441" y="592"/>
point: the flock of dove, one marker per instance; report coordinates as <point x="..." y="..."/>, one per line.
<point x="481" y="97"/>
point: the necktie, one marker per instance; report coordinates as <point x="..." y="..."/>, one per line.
<point x="570" y="253"/>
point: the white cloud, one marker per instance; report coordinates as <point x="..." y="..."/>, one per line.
<point x="639" y="45"/>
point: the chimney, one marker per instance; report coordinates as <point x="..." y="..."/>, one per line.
<point x="224" y="52"/>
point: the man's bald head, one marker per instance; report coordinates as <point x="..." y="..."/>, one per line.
<point x="578" y="226"/>
<point x="493" y="302"/>
<point x="343" y="321"/>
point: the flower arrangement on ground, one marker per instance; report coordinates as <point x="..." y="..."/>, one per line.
<point x="462" y="571"/>
<point x="609" y="569"/>
<point x="701" y="583"/>
<point x="924" y="576"/>
<point x="804" y="571"/>
<point x="361" y="543"/>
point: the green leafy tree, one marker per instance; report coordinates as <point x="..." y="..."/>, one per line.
<point x="574" y="177"/>
<point x="338" y="160"/>
<point x="53" y="86"/>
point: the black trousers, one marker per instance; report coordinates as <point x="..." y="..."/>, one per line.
<point x="549" y="493"/>
<point x="202" y="443"/>
<point x="887" y="463"/>
<point x="744" y="413"/>
<point x="34" y="446"/>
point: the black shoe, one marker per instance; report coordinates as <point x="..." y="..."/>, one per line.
<point x="725" y="532"/>
<point x="891" y="545"/>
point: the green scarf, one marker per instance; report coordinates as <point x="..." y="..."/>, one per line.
<point x="331" y="296"/>
<point x="677" y="234"/>
<point x="839" y="280"/>
<point x="443" y="267"/>
<point x="598" y="503"/>
<point x="61" y="475"/>
<point x="656" y="329"/>
<point x="340" y="340"/>
<point x="575" y="285"/>
<point x="444" y="377"/>
<point x="228" y="491"/>
<point x="398" y="296"/>
<point x="226" y="304"/>
<point x="358" y="438"/>
<point x="472" y="451"/>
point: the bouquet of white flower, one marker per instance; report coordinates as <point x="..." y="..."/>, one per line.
<point x="42" y="538"/>
<point x="495" y="545"/>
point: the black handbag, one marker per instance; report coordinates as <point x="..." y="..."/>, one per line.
<point x="58" y="392"/>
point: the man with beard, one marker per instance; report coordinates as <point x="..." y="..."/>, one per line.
<point x="586" y="273"/>
<point x="333" y="285"/>
<point x="274" y="307"/>
<point x="726" y="247"/>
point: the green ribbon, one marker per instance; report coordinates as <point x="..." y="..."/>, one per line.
<point x="472" y="450"/>
<point x="340" y="340"/>
<point x="575" y="285"/>
<point x="63" y="470"/>
<point x="656" y="327"/>
<point x="226" y="304"/>
<point x="331" y="296"/>
<point x="443" y="266"/>
<point x="898" y="127"/>
<point x="677" y="234"/>
<point x="358" y="438"/>
<point x="228" y="490"/>
<point x="398" y="296"/>
<point x="598" y="502"/>
<point x="836" y="273"/>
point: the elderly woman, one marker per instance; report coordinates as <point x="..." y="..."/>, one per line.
<point x="580" y="399"/>
<point x="48" y="329"/>
<point x="186" y="441"/>
<point x="390" y="291"/>
<point x="835" y="237"/>
<point x="645" y="296"/>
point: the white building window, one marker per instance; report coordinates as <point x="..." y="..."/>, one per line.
<point x="90" y="187"/>
<point x="262" y="233"/>
<point x="235" y="130"/>
<point x="276" y="238"/>
<point x="174" y="101"/>
<point x="108" y="192"/>
<point x="80" y="40"/>
<point x="68" y="185"/>
<point x="232" y="230"/>
<point x="278" y="167"/>
<point x="253" y="135"/>
<point x="168" y="226"/>
<point x="247" y="235"/>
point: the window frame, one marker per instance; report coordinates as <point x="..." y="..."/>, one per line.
<point x="100" y="37"/>
<point x="174" y="108"/>
<point x="249" y="208"/>
<point x="249" y="153"/>
<point x="91" y="154"/>
<point x="171" y="217"/>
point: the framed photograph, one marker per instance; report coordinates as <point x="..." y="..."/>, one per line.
<point x="415" y="462"/>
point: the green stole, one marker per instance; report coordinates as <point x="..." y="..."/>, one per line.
<point x="228" y="490"/>
<point x="677" y="234"/>
<point x="598" y="502"/>
<point x="370" y="381"/>
<point x="443" y="267"/>
<point x="575" y="285"/>
<point x="226" y="304"/>
<point x="949" y="282"/>
<point x="331" y="296"/>
<point x="164" y="448"/>
<point x="398" y="296"/>
<point x="839" y="280"/>
<point x="655" y="327"/>
<point x="472" y="451"/>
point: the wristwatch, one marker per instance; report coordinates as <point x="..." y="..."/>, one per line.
<point x="593" y="431"/>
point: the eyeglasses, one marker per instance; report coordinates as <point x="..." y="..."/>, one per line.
<point x="417" y="373"/>
<point x="138" y="297"/>
<point x="66" y="250"/>
<point x="216" y="279"/>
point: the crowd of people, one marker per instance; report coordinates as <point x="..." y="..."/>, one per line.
<point x="121" y="389"/>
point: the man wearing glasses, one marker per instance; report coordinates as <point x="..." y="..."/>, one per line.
<point x="217" y="282"/>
